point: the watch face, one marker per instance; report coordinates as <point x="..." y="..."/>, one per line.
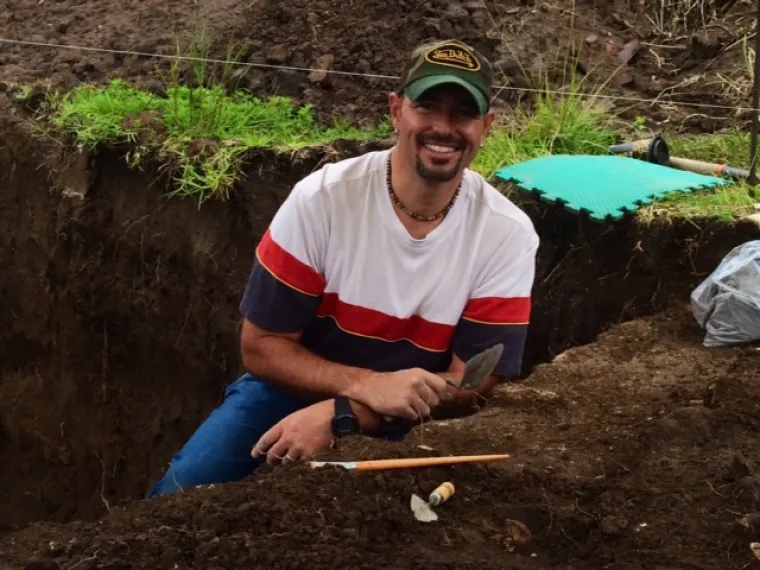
<point x="345" y="424"/>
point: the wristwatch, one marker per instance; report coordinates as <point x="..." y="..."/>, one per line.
<point x="345" y="421"/>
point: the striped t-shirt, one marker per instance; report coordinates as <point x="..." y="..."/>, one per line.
<point x="337" y="264"/>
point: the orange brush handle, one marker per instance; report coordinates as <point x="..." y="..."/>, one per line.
<point x="381" y="464"/>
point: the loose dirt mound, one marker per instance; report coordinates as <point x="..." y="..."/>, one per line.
<point x="637" y="452"/>
<point x="372" y="37"/>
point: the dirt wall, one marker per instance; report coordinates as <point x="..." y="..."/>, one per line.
<point x="119" y="325"/>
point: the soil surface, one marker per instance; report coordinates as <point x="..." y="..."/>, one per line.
<point x="622" y="48"/>
<point x="119" y="324"/>
<point x="639" y="451"/>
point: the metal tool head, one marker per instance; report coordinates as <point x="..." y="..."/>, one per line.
<point x="480" y="367"/>
<point x="422" y="510"/>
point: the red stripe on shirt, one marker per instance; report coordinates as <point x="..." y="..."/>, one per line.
<point x="499" y="311"/>
<point x="288" y="269"/>
<point x="369" y="323"/>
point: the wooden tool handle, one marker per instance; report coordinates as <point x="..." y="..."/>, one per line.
<point x="708" y="168"/>
<point x="696" y="165"/>
<point x="381" y="464"/>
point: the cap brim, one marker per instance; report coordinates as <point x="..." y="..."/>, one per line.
<point x="415" y="89"/>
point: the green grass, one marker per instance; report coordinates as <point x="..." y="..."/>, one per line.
<point x="726" y="203"/>
<point x="203" y="132"/>
<point x="204" y="135"/>
<point x="574" y="125"/>
<point x="556" y="125"/>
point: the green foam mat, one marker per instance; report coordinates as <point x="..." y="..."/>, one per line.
<point x="603" y="187"/>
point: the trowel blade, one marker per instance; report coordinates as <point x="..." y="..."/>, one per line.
<point x="421" y="509"/>
<point x="480" y="367"/>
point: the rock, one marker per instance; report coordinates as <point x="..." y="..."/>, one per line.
<point x="277" y="54"/>
<point x="481" y="19"/>
<point x="750" y="484"/>
<point x="706" y="44"/>
<point x="456" y="12"/>
<point x="322" y="65"/>
<point x="629" y="51"/>
<point x="739" y="468"/>
<point x="749" y="522"/>
<point x="517" y="537"/>
<point x="287" y="83"/>
<point x="591" y="39"/>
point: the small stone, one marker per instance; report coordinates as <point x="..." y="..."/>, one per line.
<point x="322" y="65"/>
<point x="516" y="537"/>
<point x="277" y="54"/>
<point x="287" y="83"/>
<point x="629" y="51"/>
<point x="456" y="12"/>
<point x="591" y="39"/>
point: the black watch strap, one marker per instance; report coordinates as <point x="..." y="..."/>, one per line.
<point x="343" y="407"/>
<point x="345" y="421"/>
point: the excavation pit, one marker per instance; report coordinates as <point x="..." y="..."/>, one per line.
<point x="119" y="334"/>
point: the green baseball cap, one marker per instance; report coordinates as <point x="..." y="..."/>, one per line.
<point x="448" y="62"/>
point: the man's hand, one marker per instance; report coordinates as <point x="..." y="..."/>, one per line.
<point x="409" y="394"/>
<point x="464" y="402"/>
<point x="300" y="435"/>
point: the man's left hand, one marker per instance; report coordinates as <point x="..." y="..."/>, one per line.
<point x="300" y="435"/>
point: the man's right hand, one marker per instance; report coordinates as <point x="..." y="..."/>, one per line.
<point x="409" y="394"/>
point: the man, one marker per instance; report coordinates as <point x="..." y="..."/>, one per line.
<point x="379" y="276"/>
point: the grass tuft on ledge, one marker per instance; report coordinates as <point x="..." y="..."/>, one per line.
<point x="203" y="135"/>
<point x="203" y="132"/>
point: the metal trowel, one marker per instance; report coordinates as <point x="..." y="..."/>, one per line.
<point x="480" y="367"/>
<point x="422" y="509"/>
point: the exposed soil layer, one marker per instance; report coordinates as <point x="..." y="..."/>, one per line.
<point x="120" y="326"/>
<point x="703" y="65"/>
<point x="638" y="451"/>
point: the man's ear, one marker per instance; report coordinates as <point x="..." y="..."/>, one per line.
<point x="488" y="120"/>
<point x="395" y="102"/>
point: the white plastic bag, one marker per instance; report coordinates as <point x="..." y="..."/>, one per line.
<point x="727" y="303"/>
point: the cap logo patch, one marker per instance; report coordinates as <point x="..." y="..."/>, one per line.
<point x="453" y="55"/>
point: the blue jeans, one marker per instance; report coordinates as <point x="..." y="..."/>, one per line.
<point x="220" y="449"/>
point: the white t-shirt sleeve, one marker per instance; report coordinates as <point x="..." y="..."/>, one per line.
<point x="499" y="307"/>
<point x="287" y="280"/>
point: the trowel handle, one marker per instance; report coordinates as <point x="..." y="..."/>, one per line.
<point x="708" y="168"/>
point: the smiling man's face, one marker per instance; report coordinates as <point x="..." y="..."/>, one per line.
<point x="441" y="132"/>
